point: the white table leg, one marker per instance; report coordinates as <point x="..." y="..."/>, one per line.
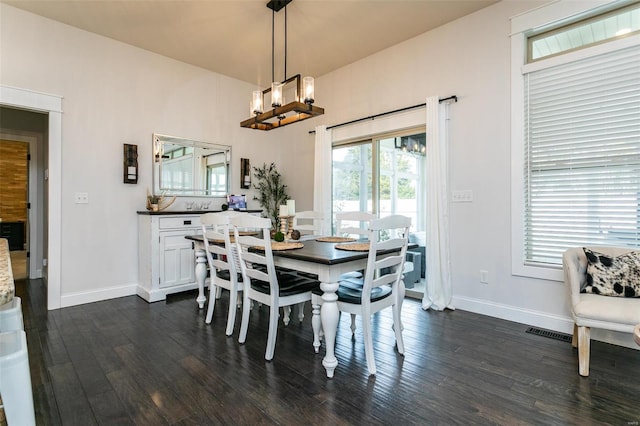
<point x="201" y="275"/>
<point x="329" y="315"/>
<point x="315" y="322"/>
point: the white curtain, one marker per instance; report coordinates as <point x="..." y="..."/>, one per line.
<point x="438" y="291"/>
<point x="322" y="175"/>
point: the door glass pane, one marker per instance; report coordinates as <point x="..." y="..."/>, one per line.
<point x="402" y="163"/>
<point x="352" y="178"/>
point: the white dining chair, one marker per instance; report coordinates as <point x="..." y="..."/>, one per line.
<point x="379" y="290"/>
<point x="353" y="224"/>
<point x="309" y="222"/>
<point x="224" y="264"/>
<point x="261" y="281"/>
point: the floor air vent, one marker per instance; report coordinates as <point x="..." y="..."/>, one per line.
<point x="550" y="334"/>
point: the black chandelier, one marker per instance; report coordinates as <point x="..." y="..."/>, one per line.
<point x="282" y="114"/>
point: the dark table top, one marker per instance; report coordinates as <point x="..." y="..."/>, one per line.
<point x="317" y="252"/>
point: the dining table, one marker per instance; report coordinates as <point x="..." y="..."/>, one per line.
<point x="314" y="257"/>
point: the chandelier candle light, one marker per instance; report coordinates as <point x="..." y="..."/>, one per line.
<point x="282" y="114"/>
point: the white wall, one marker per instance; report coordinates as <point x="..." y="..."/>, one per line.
<point x="114" y="94"/>
<point x="469" y="58"/>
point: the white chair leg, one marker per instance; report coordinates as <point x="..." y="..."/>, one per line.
<point x="574" y="339"/>
<point x="316" y="324"/>
<point x="400" y="300"/>
<point x="218" y="292"/>
<point x="353" y="324"/>
<point x="368" y="343"/>
<point x="301" y="311"/>
<point x="287" y="315"/>
<point x="584" y="348"/>
<point x="231" y="317"/>
<point x="246" y="306"/>
<point x="397" y="323"/>
<point x="273" y="330"/>
<point x="212" y="303"/>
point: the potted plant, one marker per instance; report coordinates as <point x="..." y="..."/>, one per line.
<point x="271" y="191"/>
<point x="157" y="202"/>
<point x="152" y="202"/>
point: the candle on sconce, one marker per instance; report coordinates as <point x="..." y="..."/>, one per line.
<point x="284" y="210"/>
<point x="291" y="206"/>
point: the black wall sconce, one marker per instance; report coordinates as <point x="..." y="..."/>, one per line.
<point x="130" y="163"/>
<point x="245" y="173"/>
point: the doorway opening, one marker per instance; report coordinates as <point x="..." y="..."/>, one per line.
<point x="23" y="136"/>
<point x="14" y="175"/>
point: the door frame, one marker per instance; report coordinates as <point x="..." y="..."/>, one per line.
<point x="51" y="105"/>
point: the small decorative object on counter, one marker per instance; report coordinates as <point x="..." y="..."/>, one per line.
<point x="157" y="202"/>
<point x="295" y="234"/>
<point x="225" y="207"/>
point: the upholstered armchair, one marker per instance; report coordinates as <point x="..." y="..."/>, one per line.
<point x="614" y="313"/>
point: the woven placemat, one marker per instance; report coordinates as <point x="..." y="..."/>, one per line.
<point x="353" y="247"/>
<point x="335" y="239"/>
<point x="282" y="245"/>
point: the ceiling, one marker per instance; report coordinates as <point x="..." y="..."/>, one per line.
<point x="233" y="37"/>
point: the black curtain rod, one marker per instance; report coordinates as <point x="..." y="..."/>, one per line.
<point x="453" y="98"/>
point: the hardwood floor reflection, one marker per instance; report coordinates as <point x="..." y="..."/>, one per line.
<point x="125" y="361"/>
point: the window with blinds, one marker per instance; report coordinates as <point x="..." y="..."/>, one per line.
<point x="582" y="155"/>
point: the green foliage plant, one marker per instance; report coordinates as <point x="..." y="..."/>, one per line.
<point x="271" y="191"/>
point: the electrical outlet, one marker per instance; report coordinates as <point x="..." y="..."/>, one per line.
<point x="82" y="198"/>
<point x="484" y="277"/>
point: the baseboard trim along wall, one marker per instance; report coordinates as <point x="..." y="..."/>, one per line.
<point x="105" y="293"/>
<point x="539" y="319"/>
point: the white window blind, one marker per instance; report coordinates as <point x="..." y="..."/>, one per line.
<point x="582" y="155"/>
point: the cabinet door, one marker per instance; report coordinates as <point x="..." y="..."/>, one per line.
<point x="177" y="262"/>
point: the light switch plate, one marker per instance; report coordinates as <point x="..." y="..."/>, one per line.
<point x="462" y="196"/>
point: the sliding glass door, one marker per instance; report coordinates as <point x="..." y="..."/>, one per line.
<point x="383" y="175"/>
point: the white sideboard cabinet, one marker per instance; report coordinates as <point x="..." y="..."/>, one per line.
<point x="166" y="260"/>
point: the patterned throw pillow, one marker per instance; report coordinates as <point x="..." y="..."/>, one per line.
<point x="613" y="275"/>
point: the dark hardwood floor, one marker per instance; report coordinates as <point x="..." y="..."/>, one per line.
<point x="125" y="361"/>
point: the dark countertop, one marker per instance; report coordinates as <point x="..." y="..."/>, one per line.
<point x="179" y="212"/>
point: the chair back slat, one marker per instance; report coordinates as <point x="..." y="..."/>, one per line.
<point x="309" y="222"/>
<point x="353" y="223"/>
<point x="255" y="264"/>
<point x="215" y="229"/>
<point x="396" y="229"/>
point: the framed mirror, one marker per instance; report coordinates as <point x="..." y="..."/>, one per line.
<point x="185" y="167"/>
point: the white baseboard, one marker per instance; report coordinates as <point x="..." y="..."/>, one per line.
<point x="538" y="319"/>
<point x="80" y="298"/>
